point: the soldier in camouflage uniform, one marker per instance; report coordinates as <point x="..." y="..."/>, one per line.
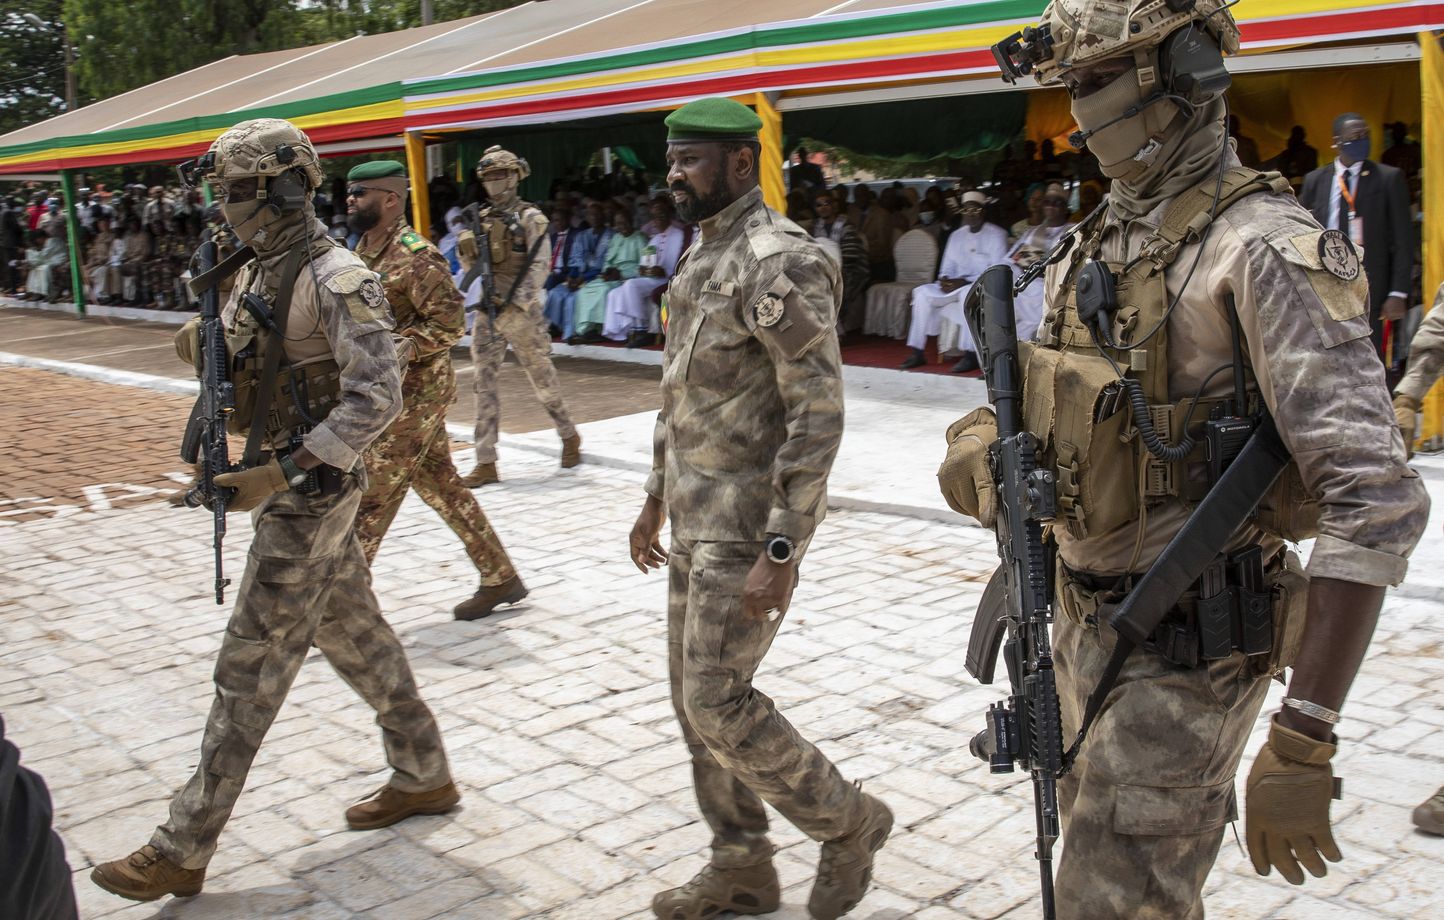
<point x="1145" y="804"/>
<point x="751" y="421"/>
<point x="306" y="580"/>
<point x="520" y="253"/>
<point x="1426" y="364"/>
<point x="415" y="451"/>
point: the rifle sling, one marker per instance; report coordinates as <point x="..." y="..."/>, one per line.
<point x="274" y="344"/>
<point x="220" y="271"/>
<point x="1225" y="508"/>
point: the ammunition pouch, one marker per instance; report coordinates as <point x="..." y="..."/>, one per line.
<point x="1240" y="604"/>
<point x="502" y="241"/>
<point x="307" y="395"/>
<point x="241" y="345"/>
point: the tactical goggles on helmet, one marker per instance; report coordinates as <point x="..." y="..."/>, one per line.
<point x="1020" y="52"/>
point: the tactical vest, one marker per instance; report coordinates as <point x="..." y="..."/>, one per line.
<point x="304" y="393"/>
<point x="508" y="242"/>
<point x="1074" y="403"/>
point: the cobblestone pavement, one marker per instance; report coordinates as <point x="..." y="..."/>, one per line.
<point x="576" y="796"/>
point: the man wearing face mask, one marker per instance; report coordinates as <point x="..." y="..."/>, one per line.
<point x="751" y="421"/>
<point x="516" y="231"/>
<point x="971" y="248"/>
<point x="415" y="452"/>
<point x="1195" y="259"/>
<point x="1369" y="203"/>
<point x="306" y="580"/>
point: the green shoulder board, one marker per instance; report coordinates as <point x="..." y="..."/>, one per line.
<point x="413" y="241"/>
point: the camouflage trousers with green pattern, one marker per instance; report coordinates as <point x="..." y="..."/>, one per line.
<point x="1145" y="806"/>
<point x="306" y="582"/>
<point x="743" y="751"/>
<point x="415" y="452"/>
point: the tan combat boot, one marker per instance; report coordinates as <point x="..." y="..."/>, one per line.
<point x="845" y="870"/>
<point x="1429" y="817"/>
<point x="741" y="890"/>
<point x="146" y="875"/>
<point x="487" y="599"/>
<point x="480" y="475"/>
<point x="571" y="451"/>
<point x="386" y="806"/>
<point x="177" y="498"/>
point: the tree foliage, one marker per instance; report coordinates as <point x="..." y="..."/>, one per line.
<point x="32" y="67"/>
<point x="121" y="46"/>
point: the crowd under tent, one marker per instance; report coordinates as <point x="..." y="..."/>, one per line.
<point x="876" y="76"/>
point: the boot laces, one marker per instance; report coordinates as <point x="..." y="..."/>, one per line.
<point x="145" y="856"/>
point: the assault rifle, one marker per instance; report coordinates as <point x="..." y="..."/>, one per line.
<point x="481" y="268"/>
<point x="205" y="436"/>
<point x="1027" y="730"/>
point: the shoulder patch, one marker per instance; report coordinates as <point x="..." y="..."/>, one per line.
<point x="414" y="241"/>
<point x="1338" y="255"/>
<point x="364" y="296"/>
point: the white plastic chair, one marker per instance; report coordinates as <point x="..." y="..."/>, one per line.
<point x="889" y="305"/>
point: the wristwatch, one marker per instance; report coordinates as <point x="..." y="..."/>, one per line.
<point x="295" y="476"/>
<point x="780" y="549"/>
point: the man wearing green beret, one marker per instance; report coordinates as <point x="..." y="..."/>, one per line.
<point x="751" y="421"/>
<point x="415" y="451"/>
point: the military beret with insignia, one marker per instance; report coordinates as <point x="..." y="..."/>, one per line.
<point x="713" y="119"/>
<point x="376" y="169"/>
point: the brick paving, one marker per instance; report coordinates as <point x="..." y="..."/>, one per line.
<point x="576" y="794"/>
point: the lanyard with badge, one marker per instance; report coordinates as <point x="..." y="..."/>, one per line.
<point x="1356" y="223"/>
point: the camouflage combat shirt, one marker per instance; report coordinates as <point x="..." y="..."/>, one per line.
<point x="530" y="292"/>
<point x="1307" y="346"/>
<point x="426" y="305"/>
<point x="338" y="311"/>
<point x="752" y="380"/>
<point x="1426" y="353"/>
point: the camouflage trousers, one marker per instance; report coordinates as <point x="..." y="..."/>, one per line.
<point x="743" y="751"/>
<point x="306" y="582"/>
<point x="526" y="332"/>
<point x="414" y="452"/>
<point x="1145" y="806"/>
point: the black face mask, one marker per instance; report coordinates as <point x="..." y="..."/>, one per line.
<point x="698" y="207"/>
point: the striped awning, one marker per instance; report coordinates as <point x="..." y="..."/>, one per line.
<point x="555" y="61"/>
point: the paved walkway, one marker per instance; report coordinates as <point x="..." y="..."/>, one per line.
<point x="577" y="800"/>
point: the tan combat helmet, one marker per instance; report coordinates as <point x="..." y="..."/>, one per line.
<point x="1076" y="33"/>
<point x="499" y="158"/>
<point x="262" y="148"/>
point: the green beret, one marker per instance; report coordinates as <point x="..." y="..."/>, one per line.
<point x="376" y="169"/>
<point x="713" y="119"/>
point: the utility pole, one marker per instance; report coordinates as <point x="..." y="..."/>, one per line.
<point x="426" y="12"/>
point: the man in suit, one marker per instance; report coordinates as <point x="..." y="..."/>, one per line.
<point x="1369" y="203"/>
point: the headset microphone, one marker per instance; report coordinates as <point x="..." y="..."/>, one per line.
<point x="1080" y="137"/>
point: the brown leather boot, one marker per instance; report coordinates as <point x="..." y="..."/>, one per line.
<point x="571" y="451"/>
<point x="486" y="599"/>
<point x="146" y="875"/>
<point x="480" y="475"/>
<point x="845" y="870"/>
<point x="741" y="890"/>
<point x="386" y="806"/>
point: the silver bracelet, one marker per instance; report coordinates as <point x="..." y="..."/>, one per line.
<point x="1313" y="710"/>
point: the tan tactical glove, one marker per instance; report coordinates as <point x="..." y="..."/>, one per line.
<point x="187" y="341"/>
<point x="1286" y="805"/>
<point x="964" y="478"/>
<point x="466" y="250"/>
<point x="254" y="485"/>
<point x="1406" y="409"/>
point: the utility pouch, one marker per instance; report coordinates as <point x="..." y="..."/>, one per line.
<point x="1288" y="602"/>
<point x="1072" y="403"/>
<point x="245" y="378"/>
<point x="1214" y="611"/>
<point x="501" y="240"/>
<point x="307" y="395"/>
